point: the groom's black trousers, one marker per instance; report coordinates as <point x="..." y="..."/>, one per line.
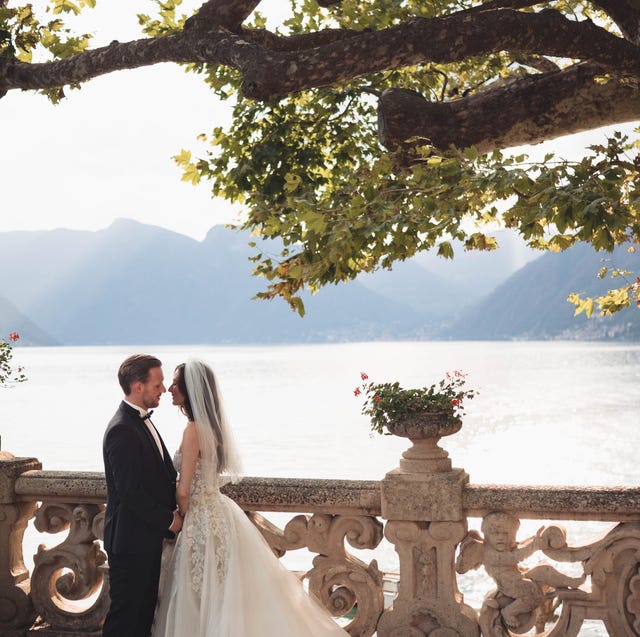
<point x="133" y="587"/>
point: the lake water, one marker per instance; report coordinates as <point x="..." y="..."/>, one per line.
<point x="546" y="413"/>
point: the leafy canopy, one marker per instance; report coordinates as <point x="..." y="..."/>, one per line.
<point x="310" y="170"/>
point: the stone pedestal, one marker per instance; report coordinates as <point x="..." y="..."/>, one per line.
<point x="422" y="501"/>
<point x="423" y="496"/>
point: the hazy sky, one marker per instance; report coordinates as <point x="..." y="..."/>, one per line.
<point x="105" y="151"/>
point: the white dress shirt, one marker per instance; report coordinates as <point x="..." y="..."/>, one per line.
<point x="149" y="425"/>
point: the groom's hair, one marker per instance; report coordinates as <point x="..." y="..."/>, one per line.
<point x="136" y="368"/>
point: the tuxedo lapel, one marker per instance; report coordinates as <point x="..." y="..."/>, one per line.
<point x="141" y="426"/>
<point x="165" y="459"/>
<point x="151" y="440"/>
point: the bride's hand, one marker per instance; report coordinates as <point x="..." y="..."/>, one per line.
<point x="176" y="524"/>
<point x="183" y="504"/>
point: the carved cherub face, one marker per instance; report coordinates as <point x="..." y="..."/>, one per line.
<point x="500" y="531"/>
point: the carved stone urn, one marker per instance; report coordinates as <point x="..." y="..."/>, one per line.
<point x="424" y="429"/>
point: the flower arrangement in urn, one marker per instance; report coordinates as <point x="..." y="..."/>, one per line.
<point x="7" y="375"/>
<point x="402" y="411"/>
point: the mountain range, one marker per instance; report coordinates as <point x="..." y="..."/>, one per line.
<point x="13" y="320"/>
<point x="139" y="284"/>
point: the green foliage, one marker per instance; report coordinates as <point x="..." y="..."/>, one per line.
<point x="309" y="170"/>
<point x="340" y="211"/>
<point x="614" y="300"/>
<point x="167" y="22"/>
<point x="388" y="402"/>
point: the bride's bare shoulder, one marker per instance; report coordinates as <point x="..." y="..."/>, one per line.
<point x="190" y="434"/>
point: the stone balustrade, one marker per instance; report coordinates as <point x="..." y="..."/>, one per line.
<point x="421" y="509"/>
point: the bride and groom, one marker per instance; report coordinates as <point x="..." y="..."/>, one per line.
<point x="220" y="578"/>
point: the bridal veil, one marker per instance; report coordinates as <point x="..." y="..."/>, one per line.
<point x="219" y="454"/>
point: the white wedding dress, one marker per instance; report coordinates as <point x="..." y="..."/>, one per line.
<point x="222" y="579"/>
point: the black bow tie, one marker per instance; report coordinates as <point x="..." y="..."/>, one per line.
<point x="147" y="415"/>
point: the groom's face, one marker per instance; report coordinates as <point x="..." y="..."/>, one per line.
<point x="152" y="388"/>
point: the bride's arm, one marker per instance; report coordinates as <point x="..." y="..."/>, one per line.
<point x="190" y="451"/>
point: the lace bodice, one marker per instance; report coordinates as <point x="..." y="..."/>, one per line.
<point x="205" y="523"/>
<point x="198" y="484"/>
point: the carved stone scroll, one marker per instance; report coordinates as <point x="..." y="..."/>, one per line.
<point x="69" y="587"/>
<point x="338" y="579"/>
<point x="614" y="566"/>
<point x="16" y="608"/>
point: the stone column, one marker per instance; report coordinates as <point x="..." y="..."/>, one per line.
<point x="422" y="501"/>
<point x="16" y="610"/>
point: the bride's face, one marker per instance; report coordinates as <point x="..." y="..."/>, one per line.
<point x="176" y="394"/>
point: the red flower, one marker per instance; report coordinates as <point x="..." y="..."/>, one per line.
<point x="356" y="391"/>
<point x="456" y="402"/>
<point x="14" y="336"/>
<point x="363" y="376"/>
<point x="377" y="398"/>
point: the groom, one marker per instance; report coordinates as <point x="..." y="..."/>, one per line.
<point x="141" y="503"/>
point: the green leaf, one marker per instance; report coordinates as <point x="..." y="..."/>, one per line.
<point x="445" y="249"/>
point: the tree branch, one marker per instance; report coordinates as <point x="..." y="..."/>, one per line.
<point x="537" y="62"/>
<point x="217" y="47"/>
<point x="502" y="4"/>
<point x="229" y="14"/>
<point x="269" y="72"/>
<point x="298" y="42"/>
<point x="525" y="111"/>
<point x="79" y="68"/>
<point x="441" y="40"/>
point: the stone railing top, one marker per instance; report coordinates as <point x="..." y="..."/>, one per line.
<point x="252" y="494"/>
<point x="618" y="504"/>
<point x="80" y="486"/>
<point x="363" y="496"/>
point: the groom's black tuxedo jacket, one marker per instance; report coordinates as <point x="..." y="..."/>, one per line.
<point x="141" y="486"/>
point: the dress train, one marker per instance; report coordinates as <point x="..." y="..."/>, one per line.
<point x="221" y="579"/>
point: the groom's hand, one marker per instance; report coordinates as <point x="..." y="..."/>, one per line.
<point x="176" y="524"/>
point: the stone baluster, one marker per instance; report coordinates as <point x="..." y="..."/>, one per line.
<point x="16" y="609"/>
<point x="422" y="501"/>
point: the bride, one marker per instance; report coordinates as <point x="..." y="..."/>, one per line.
<point x="222" y="579"/>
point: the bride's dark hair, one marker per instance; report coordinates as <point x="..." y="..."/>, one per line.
<point x="186" y="409"/>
